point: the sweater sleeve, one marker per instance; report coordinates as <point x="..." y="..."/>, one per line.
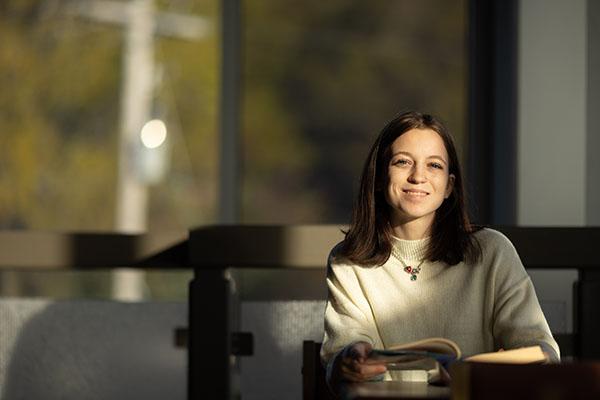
<point x="348" y="315"/>
<point x="518" y="320"/>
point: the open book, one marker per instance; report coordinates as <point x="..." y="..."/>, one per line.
<point x="434" y="355"/>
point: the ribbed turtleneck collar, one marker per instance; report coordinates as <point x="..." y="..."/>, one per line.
<point x="411" y="249"/>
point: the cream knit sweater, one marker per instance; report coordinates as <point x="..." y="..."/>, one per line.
<point x="482" y="307"/>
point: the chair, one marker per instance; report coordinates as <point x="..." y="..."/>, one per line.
<point x="314" y="386"/>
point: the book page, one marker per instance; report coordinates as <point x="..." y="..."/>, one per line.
<point x="524" y="355"/>
<point x="433" y="345"/>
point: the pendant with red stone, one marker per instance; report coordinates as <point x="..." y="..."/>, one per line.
<point x="412" y="272"/>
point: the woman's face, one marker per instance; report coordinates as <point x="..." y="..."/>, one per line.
<point x="418" y="177"/>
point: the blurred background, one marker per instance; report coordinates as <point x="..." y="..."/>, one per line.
<point x="80" y="79"/>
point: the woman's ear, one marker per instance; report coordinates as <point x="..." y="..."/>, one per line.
<point x="449" y="186"/>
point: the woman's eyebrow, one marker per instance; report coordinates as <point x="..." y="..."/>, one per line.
<point x="406" y="153"/>
<point x="438" y="158"/>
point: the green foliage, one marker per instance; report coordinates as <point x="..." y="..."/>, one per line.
<point x="58" y="123"/>
<point x="61" y="79"/>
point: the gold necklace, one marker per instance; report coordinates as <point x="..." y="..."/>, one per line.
<point x="413" y="272"/>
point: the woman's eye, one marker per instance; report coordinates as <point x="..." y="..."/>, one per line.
<point x="401" y="162"/>
<point x="437" y="165"/>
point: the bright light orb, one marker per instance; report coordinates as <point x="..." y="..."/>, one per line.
<point x="154" y="133"/>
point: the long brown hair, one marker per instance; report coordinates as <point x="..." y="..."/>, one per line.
<point x="369" y="239"/>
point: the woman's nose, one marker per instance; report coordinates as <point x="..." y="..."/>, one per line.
<point x="417" y="175"/>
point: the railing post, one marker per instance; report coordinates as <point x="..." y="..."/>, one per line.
<point x="209" y="344"/>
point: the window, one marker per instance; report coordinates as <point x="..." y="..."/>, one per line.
<point x="320" y="79"/>
<point x="79" y="83"/>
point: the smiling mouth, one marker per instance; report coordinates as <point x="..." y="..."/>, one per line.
<point x="416" y="193"/>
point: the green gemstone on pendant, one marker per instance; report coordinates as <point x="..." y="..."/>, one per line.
<point x="413" y="277"/>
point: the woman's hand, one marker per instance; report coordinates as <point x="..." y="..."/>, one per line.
<point x="352" y="366"/>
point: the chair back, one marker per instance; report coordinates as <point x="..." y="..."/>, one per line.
<point x="314" y="386"/>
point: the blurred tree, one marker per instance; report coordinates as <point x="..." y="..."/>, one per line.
<point x="333" y="73"/>
<point x="61" y="79"/>
<point x="59" y="106"/>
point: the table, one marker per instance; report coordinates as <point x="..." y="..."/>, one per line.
<point x="395" y="390"/>
<point x="493" y="382"/>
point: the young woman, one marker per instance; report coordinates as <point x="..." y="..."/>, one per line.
<point x="412" y="266"/>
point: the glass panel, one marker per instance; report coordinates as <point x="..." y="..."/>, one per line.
<point x="321" y="80"/>
<point x="76" y="80"/>
<point x="79" y="81"/>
